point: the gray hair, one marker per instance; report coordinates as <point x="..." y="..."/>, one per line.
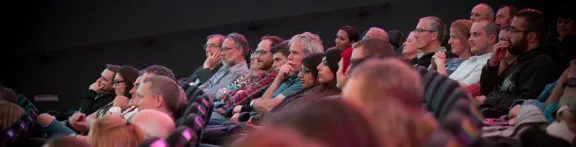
<point x="491" y="28"/>
<point x="160" y="71"/>
<point x="240" y="41"/>
<point x="220" y="38"/>
<point x="162" y="85"/>
<point x="436" y="25"/>
<point x="311" y="43"/>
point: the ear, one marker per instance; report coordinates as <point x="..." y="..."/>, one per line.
<point x="493" y="39"/>
<point x="159" y="101"/>
<point x="435" y="36"/>
<point x="532" y="37"/>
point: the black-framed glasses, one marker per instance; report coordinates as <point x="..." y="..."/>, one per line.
<point x="117" y="82"/>
<point x="419" y="30"/>
<point x="304" y="70"/>
<point x="210" y="46"/>
<point x="260" y="52"/>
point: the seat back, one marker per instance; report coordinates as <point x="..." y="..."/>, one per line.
<point x="19" y="131"/>
<point x="154" y="142"/>
<point x="182" y="137"/>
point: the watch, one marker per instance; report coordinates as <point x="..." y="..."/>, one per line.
<point x="570" y="82"/>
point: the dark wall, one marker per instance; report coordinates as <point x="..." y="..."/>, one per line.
<point x="69" y="72"/>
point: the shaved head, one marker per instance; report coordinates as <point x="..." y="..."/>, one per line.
<point x="482" y="11"/>
<point x="376" y="32"/>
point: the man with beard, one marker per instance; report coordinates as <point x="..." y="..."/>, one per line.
<point x="524" y="79"/>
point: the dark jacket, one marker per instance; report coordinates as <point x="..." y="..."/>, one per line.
<point x="524" y="79"/>
<point x="92" y="101"/>
<point x="202" y="74"/>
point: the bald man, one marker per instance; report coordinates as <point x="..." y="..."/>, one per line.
<point x="154" y="123"/>
<point x="482" y="11"/>
<point x="376" y="32"/>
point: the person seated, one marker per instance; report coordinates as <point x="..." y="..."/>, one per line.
<point x="409" y="51"/>
<point x="114" y="130"/>
<point x="527" y="77"/>
<point x="326" y="122"/>
<point x="154" y="123"/>
<point x="101" y="92"/>
<point x="459" y="34"/>
<point x="429" y="35"/>
<point x="212" y="63"/>
<point x="346" y="37"/>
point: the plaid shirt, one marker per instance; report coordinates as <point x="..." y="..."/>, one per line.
<point x="252" y="89"/>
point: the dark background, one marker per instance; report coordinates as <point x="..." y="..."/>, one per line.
<point x="61" y="46"/>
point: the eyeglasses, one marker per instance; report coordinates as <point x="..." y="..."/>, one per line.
<point x="304" y="70"/>
<point x="516" y="30"/>
<point x="324" y="62"/>
<point x="260" y="52"/>
<point x="419" y="30"/>
<point x="225" y="48"/>
<point x="210" y="46"/>
<point x="117" y="82"/>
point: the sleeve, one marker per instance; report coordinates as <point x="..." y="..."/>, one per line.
<point x="291" y="89"/>
<point x="87" y="100"/>
<point x="211" y="91"/>
<point x="204" y="74"/>
<point x="250" y="92"/>
<point x="489" y="78"/>
<point x="115" y="110"/>
<point x="474" y="76"/>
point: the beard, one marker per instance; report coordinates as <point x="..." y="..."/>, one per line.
<point x="266" y="66"/>
<point x="229" y="62"/>
<point x="519" y="47"/>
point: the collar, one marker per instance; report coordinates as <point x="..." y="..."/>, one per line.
<point x="240" y="65"/>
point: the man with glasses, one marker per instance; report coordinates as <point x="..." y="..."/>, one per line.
<point x="233" y="52"/>
<point x="252" y="88"/>
<point x="526" y="78"/>
<point x="429" y="35"/>
<point x="212" y="62"/>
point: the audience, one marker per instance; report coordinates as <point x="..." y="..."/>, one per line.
<point x="504" y="15"/>
<point x="346" y="37"/>
<point x="372" y="47"/>
<point x="410" y="52"/>
<point x="508" y="58"/>
<point x="459" y="34"/>
<point x="113" y="130"/>
<point x="153" y="123"/>
<point x="233" y="52"/>
<point x="159" y="93"/>
<point x="280" y="54"/>
<point x="212" y="63"/>
<point x="376" y="32"/>
<point x="527" y="77"/>
<point x="100" y="93"/>
<point x="429" y="35"/>
<point x="482" y="11"/>
<point x="565" y="23"/>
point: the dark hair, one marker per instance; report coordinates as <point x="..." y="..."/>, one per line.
<point x="283" y="47"/>
<point x="129" y="74"/>
<point x="567" y="12"/>
<point x="511" y="9"/>
<point x="67" y="141"/>
<point x="7" y="95"/>
<point x="273" y="39"/>
<point x="160" y="71"/>
<point x="352" y="32"/>
<point x="535" y="22"/>
<point x="333" y="56"/>
<point x="240" y="41"/>
<point x="331" y="121"/>
<point x="375" y="47"/>
<point x="112" y="67"/>
<point x="168" y="88"/>
<point x="311" y="62"/>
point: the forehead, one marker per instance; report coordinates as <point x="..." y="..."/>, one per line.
<point x="107" y="73"/>
<point x="295" y="46"/>
<point x="117" y="76"/>
<point x="143" y="88"/>
<point x="138" y="80"/>
<point x="264" y="45"/>
<point x="477" y="26"/>
<point x="278" y="55"/>
<point x="342" y="33"/>
<point x="517" y="22"/>
<point x="213" y="40"/>
<point x="502" y="11"/>
<point x="228" y="42"/>
<point x="147" y="75"/>
<point x="423" y="23"/>
<point x="479" y="8"/>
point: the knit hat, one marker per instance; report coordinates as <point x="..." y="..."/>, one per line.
<point x="346" y="55"/>
<point x="333" y="56"/>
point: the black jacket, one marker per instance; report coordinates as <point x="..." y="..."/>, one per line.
<point x="524" y="79"/>
<point x="93" y="101"/>
<point x="202" y="74"/>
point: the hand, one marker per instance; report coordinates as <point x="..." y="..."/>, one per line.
<point x="481" y="98"/>
<point x="221" y="93"/>
<point x="122" y="102"/>
<point x="285" y="71"/>
<point x="440" y="58"/>
<point x="572" y="69"/>
<point x="514" y="111"/>
<point x="234" y="117"/>
<point x="212" y="60"/>
<point x="499" y="51"/>
<point x="237" y="109"/>
<point x="96" y="86"/>
<point x="78" y="122"/>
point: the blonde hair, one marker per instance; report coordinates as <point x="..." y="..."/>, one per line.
<point x="114" y="131"/>
<point x="462" y="30"/>
<point x="9" y="114"/>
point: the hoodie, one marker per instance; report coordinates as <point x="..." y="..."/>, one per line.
<point x="524" y="79"/>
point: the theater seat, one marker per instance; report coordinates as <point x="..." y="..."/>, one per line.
<point x="182" y="137"/>
<point x="154" y="142"/>
<point x="19" y="132"/>
<point x="396" y="38"/>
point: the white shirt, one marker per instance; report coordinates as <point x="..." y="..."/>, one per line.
<point x="470" y="70"/>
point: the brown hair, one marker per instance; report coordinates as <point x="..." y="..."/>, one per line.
<point x="376" y="47"/>
<point x="9" y="114"/>
<point x="67" y="141"/>
<point x="535" y="22"/>
<point x="462" y="30"/>
<point x="114" y="131"/>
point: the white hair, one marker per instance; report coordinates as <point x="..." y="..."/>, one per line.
<point x="154" y="123"/>
<point x="310" y="43"/>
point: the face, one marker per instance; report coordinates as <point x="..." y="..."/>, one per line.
<point x="410" y="45"/>
<point x="263" y="56"/>
<point x="518" y="37"/>
<point x="119" y="85"/>
<point x="503" y="17"/>
<point x="504" y="37"/>
<point x="135" y="99"/>
<point x="279" y="60"/>
<point x="229" y="52"/>
<point x="325" y="75"/>
<point x="455" y="43"/>
<point x="296" y="55"/>
<point x="479" y="41"/>
<point x="106" y="80"/>
<point x="147" y="100"/>
<point x="565" y="26"/>
<point x="212" y="45"/>
<point x="253" y="64"/>
<point x="424" y="35"/>
<point x="341" y="77"/>
<point x="306" y="77"/>
<point x="342" y="40"/>
<point x="479" y="12"/>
